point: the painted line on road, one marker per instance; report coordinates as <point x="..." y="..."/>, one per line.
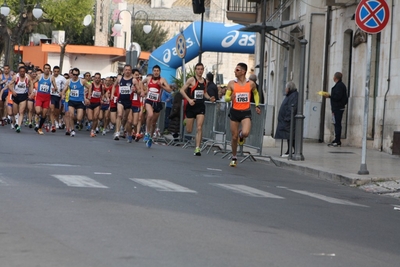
<point x="327" y="199"/>
<point x="248" y="191"/>
<point x="217" y="170"/>
<point x="56" y="165"/>
<point x="163" y="185"/>
<point x="103" y="173"/>
<point x="3" y="183"/>
<point x="78" y="181"/>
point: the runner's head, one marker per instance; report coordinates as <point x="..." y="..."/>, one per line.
<point x="199" y="69"/>
<point x="108" y="81"/>
<point x="75" y="74"/>
<point x="156" y="72"/>
<point x="136" y="73"/>
<point x="22" y="71"/>
<point x="240" y="70"/>
<point x="97" y="78"/>
<point x="56" y="71"/>
<point x="46" y="69"/>
<point x="87" y="76"/>
<point x="6" y="69"/>
<point x="127" y="70"/>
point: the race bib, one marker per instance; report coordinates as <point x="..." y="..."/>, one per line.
<point x="153" y="96"/>
<point x="135" y="96"/>
<point x="198" y="94"/>
<point x="74" y="93"/>
<point x="20" y="88"/>
<point x="96" y="94"/>
<point x="124" y="90"/>
<point x="54" y="93"/>
<point x="242" y="98"/>
<point x="44" y="88"/>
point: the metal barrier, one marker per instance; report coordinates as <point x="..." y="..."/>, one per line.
<point x="158" y="133"/>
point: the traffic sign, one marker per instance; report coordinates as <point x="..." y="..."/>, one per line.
<point x="372" y="16"/>
<point x="181" y="46"/>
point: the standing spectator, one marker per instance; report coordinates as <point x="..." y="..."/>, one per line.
<point x="175" y="116"/>
<point x="338" y="98"/>
<point x="253" y="78"/>
<point x="284" y="115"/>
<point x="166" y="97"/>
<point x="212" y="89"/>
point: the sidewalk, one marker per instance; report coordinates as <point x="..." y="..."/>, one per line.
<point x="341" y="164"/>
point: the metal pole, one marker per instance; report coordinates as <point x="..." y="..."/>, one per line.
<point x="201" y="37"/>
<point x="290" y="148"/>
<point x="299" y="116"/>
<point x="363" y="166"/>
<point x="262" y="47"/>
<point x="183" y="102"/>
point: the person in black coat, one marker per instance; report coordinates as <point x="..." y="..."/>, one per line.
<point x="175" y="116"/>
<point x="284" y="115"/>
<point x="339" y="99"/>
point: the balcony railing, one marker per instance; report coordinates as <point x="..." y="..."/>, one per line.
<point x="242" y="11"/>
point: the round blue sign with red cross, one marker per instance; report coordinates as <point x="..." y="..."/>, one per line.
<point x="372" y="16"/>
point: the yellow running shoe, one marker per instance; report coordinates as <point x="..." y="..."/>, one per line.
<point x="233" y="162"/>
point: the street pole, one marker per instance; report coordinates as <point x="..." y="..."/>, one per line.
<point x="262" y="48"/>
<point x="299" y="116"/>
<point x="201" y="37"/>
<point x="363" y="167"/>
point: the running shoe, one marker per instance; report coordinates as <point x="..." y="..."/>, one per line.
<point x="97" y="130"/>
<point x="149" y="142"/>
<point x="30" y="125"/>
<point x="72" y="133"/>
<point x="129" y="139"/>
<point x="241" y="139"/>
<point x="92" y="134"/>
<point x="12" y="126"/>
<point x="233" y="162"/>
<point x="137" y="137"/>
<point x="116" y="136"/>
<point x="53" y="129"/>
<point x="36" y="128"/>
<point x="18" y="129"/>
<point x="67" y="133"/>
<point x="197" y="151"/>
<point x="104" y="132"/>
<point x="40" y="131"/>
<point x="146" y="137"/>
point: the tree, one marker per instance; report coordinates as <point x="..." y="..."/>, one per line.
<point x="150" y="41"/>
<point x="21" y="21"/>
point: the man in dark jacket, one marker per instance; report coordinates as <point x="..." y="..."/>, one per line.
<point x="212" y="89"/>
<point x="338" y="98"/>
<point x="284" y="115"/>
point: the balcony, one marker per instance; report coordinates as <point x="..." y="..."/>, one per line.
<point x="242" y="11"/>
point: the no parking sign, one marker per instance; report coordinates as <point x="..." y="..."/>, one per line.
<point x="372" y="16"/>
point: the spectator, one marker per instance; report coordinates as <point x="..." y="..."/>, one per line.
<point x="175" y="116"/>
<point x="167" y="98"/>
<point x="284" y="115"/>
<point x="212" y="89"/>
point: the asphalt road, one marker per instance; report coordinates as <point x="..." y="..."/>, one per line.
<point x="81" y="201"/>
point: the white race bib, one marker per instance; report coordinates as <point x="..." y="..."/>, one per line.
<point x="96" y="94"/>
<point x="198" y="94"/>
<point x="153" y="94"/>
<point x="124" y="90"/>
<point x="44" y="88"/>
<point x="242" y="98"/>
<point x="74" y="93"/>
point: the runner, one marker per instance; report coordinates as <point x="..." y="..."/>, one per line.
<point x="95" y="95"/>
<point x="20" y="87"/>
<point x="124" y="105"/>
<point x="55" y="103"/>
<point x="104" y="115"/>
<point x="45" y="84"/>
<point x="239" y="91"/>
<point x="77" y="100"/>
<point x="6" y="78"/>
<point x="113" y="105"/>
<point x="136" y="108"/>
<point x="155" y="84"/>
<point x="195" y="91"/>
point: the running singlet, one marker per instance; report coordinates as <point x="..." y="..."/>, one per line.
<point x="44" y="85"/>
<point x="77" y="91"/>
<point x="154" y="93"/>
<point x="107" y="90"/>
<point x="114" y="98"/>
<point x="136" y="99"/>
<point x="96" y="94"/>
<point x="197" y="92"/>
<point x="125" y="89"/>
<point x="60" y="82"/>
<point x="241" y="100"/>
<point x="6" y="82"/>
<point x="21" y="87"/>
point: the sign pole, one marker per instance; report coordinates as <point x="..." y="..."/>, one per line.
<point x="363" y="166"/>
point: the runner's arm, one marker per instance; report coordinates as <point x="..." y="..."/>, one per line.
<point x="165" y="85"/>
<point x="187" y="85"/>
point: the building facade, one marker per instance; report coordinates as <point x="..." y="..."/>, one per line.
<point x="334" y="43"/>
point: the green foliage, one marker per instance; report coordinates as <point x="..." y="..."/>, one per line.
<point x="150" y="41"/>
<point x="179" y="79"/>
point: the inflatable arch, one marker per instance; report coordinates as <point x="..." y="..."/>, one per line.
<point x="217" y="37"/>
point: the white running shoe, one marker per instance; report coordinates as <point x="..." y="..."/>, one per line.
<point x="72" y="133"/>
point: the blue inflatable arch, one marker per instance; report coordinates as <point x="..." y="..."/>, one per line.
<point x="217" y="37"/>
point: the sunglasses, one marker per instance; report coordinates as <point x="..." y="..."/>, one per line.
<point x="237" y="69"/>
<point x="75" y="74"/>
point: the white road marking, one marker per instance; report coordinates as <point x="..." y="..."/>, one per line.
<point x="103" y="173"/>
<point x="3" y="183"/>
<point x="248" y="191"/>
<point x="324" y="254"/>
<point x="217" y="170"/>
<point x="78" y="181"/>
<point x="163" y="185"/>
<point x="327" y="199"/>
